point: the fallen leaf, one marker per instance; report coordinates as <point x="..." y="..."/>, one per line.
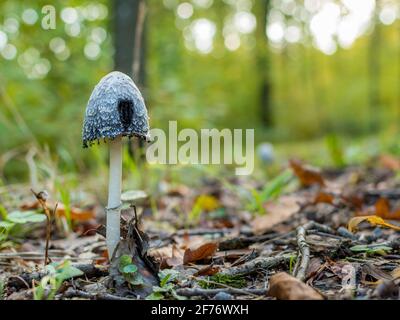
<point x="207" y="203"/>
<point x="168" y="257"/>
<point x="382" y="207"/>
<point x="76" y="214"/>
<point x="199" y="253"/>
<point x="395" y="273"/>
<point x="373" y="220"/>
<point x="308" y="176"/>
<point x="390" y="162"/>
<point x="276" y="212"/>
<point x="208" y="271"/>
<point x="285" y="287"/>
<point x="323" y="197"/>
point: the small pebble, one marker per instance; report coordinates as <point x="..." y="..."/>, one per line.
<point x="223" y="296"/>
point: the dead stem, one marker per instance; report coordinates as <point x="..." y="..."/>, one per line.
<point x="304" y="252"/>
<point x="41" y="198"/>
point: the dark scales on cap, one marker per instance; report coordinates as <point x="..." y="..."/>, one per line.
<point x="115" y="108"/>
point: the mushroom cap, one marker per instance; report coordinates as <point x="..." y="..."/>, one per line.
<point x="115" y="108"/>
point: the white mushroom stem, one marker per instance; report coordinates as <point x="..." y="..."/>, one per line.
<point x="114" y="195"/>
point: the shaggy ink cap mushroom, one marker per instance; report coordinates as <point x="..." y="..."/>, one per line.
<point x="115" y="108"/>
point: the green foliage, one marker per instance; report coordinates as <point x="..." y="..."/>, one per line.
<point x="166" y="290"/>
<point x="335" y="150"/>
<point x="2" y="289"/>
<point x="10" y="222"/>
<point x="57" y="273"/>
<point x="271" y="191"/>
<point x="292" y="263"/>
<point x="66" y="200"/>
<point x="129" y="271"/>
<point x="236" y="281"/>
<point x="371" y="250"/>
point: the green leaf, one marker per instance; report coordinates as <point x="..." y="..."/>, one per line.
<point x="124" y="261"/>
<point x="69" y="273"/>
<point x="167" y="275"/>
<point x="6" y="225"/>
<point x="130" y="268"/>
<point x="22" y="217"/>
<point x="3" y="212"/>
<point x="369" y="249"/>
<point x="136" y="280"/>
<point x="155" y="296"/>
<point x="276" y="186"/>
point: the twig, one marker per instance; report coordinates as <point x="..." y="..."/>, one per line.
<point x="244" y="242"/>
<point x="224" y="287"/>
<point x="191" y="292"/>
<point x="41" y="198"/>
<point x="70" y="293"/>
<point x="260" y="263"/>
<point x="305" y="253"/>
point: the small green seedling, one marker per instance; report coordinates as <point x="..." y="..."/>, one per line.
<point x="166" y="290"/>
<point x="57" y="273"/>
<point x="271" y="191"/>
<point x="11" y="222"/>
<point x="372" y="250"/>
<point x="129" y="271"/>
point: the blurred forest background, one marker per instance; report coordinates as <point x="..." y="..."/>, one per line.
<point x="314" y="77"/>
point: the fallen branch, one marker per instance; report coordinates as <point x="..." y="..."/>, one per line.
<point x="72" y="293"/>
<point x="243" y="242"/>
<point x="304" y="252"/>
<point x="258" y="264"/>
<point x="192" y="292"/>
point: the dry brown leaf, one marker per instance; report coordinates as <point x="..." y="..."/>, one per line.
<point x="382" y="209"/>
<point x="76" y="214"/>
<point x="201" y="252"/>
<point x="396" y="273"/>
<point x="285" y="287"/>
<point x="308" y="176"/>
<point x="373" y="220"/>
<point x="390" y="162"/>
<point x="208" y="271"/>
<point x="276" y="212"/>
<point x="169" y="256"/>
<point x="323" y="197"/>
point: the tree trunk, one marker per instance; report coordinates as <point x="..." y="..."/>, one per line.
<point x="129" y="43"/>
<point x="263" y="62"/>
<point x="130" y="50"/>
<point x="373" y="61"/>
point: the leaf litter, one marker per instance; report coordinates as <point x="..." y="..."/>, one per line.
<point x="335" y="235"/>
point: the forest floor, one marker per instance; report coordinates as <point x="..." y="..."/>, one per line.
<point x="334" y="236"/>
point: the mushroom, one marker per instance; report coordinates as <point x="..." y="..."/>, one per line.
<point x="115" y="109"/>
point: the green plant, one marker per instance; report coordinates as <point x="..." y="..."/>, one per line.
<point x="57" y="273"/>
<point x="212" y="282"/>
<point x="379" y="249"/>
<point x="66" y="200"/>
<point x="166" y="290"/>
<point x="292" y="262"/>
<point x="11" y="221"/>
<point x="129" y="271"/>
<point x="271" y="191"/>
<point x="2" y="289"/>
<point x="335" y="150"/>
